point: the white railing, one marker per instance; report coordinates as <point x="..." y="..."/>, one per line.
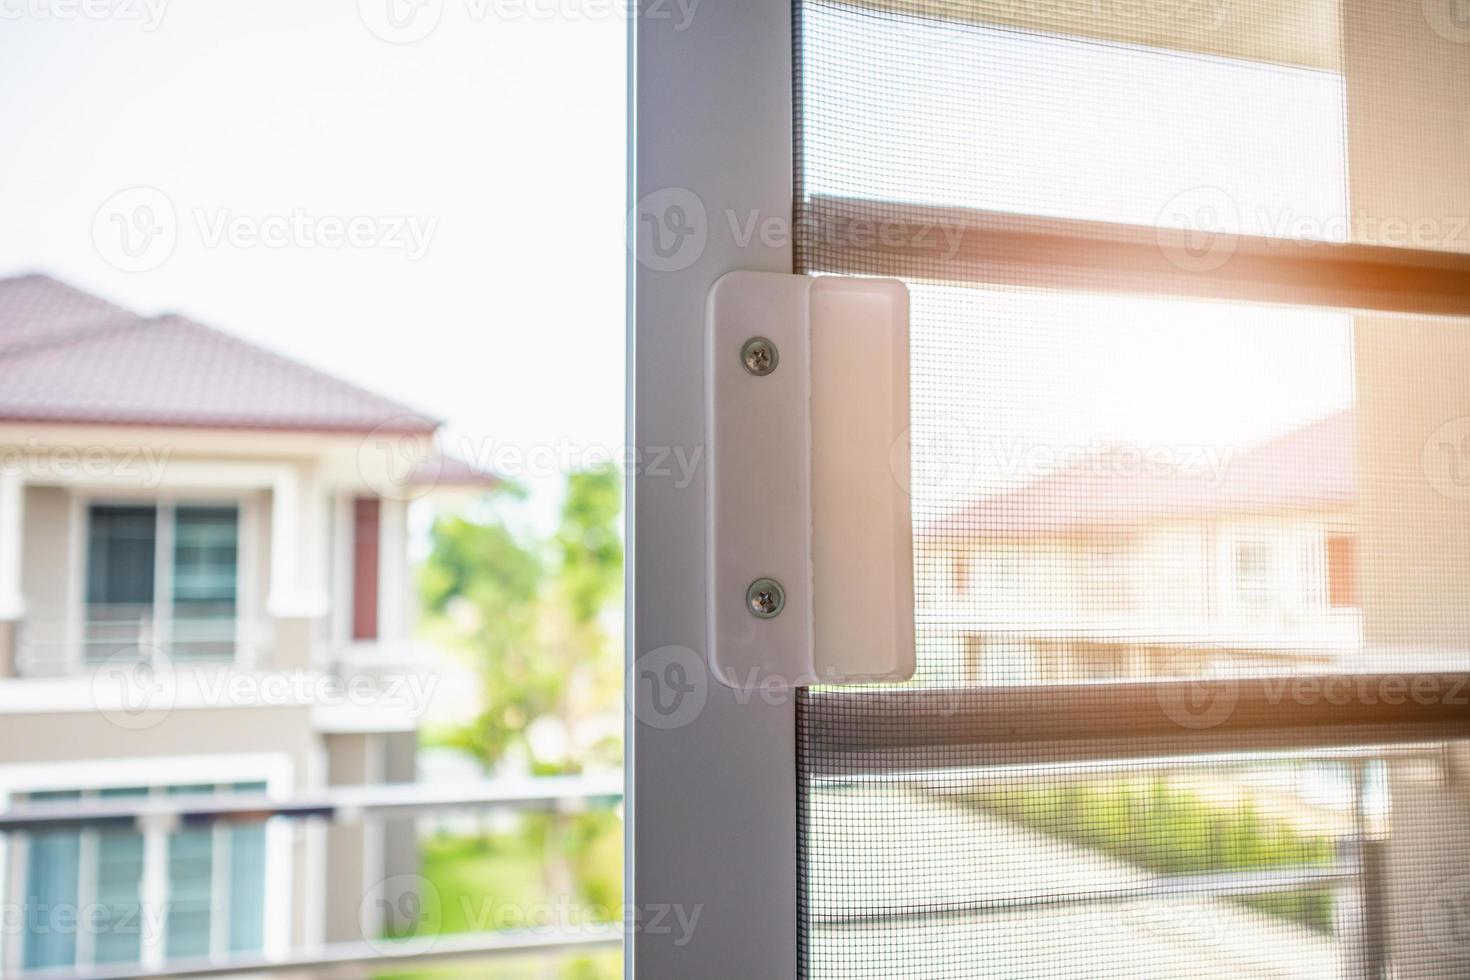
<point x="61" y="647"/>
<point x="336" y="805"/>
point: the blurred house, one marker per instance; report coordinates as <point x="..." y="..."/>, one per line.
<point x="1120" y="566"/>
<point x="203" y="589"/>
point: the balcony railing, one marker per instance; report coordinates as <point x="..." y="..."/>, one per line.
<point x="110" y="634"/>
<point x="338" y="805"/>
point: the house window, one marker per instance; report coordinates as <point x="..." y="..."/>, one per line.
<point x="164" y="576"/>
<point x="121" y="567"/>
<point x="52" y="887"/>
<point x="85" y="889"/>
<point x="1253" y="574"/>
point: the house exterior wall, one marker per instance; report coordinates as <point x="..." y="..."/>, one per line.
<point x="1159" y="599"/>
<point x="46" y="557"/>
<point x="89" y="734"/>
<point x="56" y="713"/>
<point x="53" y="568"/>
<point x="372" y="866"/>
<point x="53" y="572"/>
<point x="86" y="749"/>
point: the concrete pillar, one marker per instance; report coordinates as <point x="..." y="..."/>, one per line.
<point x="394" y="621"/>
<point x="12" y="602"/>
<point x="372" y="866"/>
<point x="297" y="598"/>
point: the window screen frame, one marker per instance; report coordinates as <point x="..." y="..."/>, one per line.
<point x="711" y="804"/>
<point x="983" y="248"/>
<point x="712" y="818"/>
<point x="850" y="735"/>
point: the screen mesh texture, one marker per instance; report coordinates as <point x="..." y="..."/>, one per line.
<point x="1190" y="479"/>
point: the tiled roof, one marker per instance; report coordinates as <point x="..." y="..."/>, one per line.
<point x="1309" y="467"/>
<point x="66" y="356"/>
<point x="37" y="310"/>
<point x="451" y="471"/>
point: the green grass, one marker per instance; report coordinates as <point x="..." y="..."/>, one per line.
<point x="1172" y="831"/>
<point x="497" y="881"/>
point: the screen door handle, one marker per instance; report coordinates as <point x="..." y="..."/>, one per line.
<point x="810" y="535"/>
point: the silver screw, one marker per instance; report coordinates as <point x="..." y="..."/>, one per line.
<point x="759" y="356"/>
<point x="765" y="598"/>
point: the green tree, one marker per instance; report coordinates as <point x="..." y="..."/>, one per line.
<point x="486" y="582"/>
<point x="540" y="619"/>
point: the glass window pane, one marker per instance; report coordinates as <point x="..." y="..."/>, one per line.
<point x="205" y="574"/>
<point x="121" y="542"/>
<point x="190" y="886"/>
<point x="119" y="889"/>
<point x="247" y="881"/>
<point x="53" y="863"/>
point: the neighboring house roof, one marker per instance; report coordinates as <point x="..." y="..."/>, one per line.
<point x="1309" y="467"/>
<point x="38" y="310"/>
<point x="66" y="356"/>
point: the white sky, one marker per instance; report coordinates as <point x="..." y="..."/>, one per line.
<point x="1008" y="384"/>
<point x="507" y="130"/>
<point x="508" y="133"/>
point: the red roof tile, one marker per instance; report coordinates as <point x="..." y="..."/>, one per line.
<point x="1309" y="467"/>
<point x="37" y="309"/>
<point x="66" y="356"/>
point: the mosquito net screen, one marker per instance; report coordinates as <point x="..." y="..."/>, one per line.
<point x="1190" y="481"/>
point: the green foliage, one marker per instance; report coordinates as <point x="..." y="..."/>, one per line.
<point x="537" y="616"/>
<point x="590" y="545"/>
<point x="493" y="881"/>
<point x="1172" y="831"/>
<point x="533" y="615"/>
<point x="480" y="561"/>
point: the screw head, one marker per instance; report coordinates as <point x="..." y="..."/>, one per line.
<point x="765" y="598"/>
<point x="759" y="356"/>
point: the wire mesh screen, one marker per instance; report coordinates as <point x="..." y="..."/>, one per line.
<point x="1260" y="864"/>
<point x="1167" y="476"/>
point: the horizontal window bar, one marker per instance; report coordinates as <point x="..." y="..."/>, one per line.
<point x="339" y="804"/>
<point x="848" y="732"/>
<point x="1217" y="885"/>
<point x="1286" y="32"/>
<point x="859" y="237"/>
<point x="376" y="956"/>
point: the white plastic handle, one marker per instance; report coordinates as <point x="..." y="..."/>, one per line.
<point x="808" y="481"/>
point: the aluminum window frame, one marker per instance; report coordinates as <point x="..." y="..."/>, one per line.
<point x="712" y="803"/>
<point x="712" y="820"/>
